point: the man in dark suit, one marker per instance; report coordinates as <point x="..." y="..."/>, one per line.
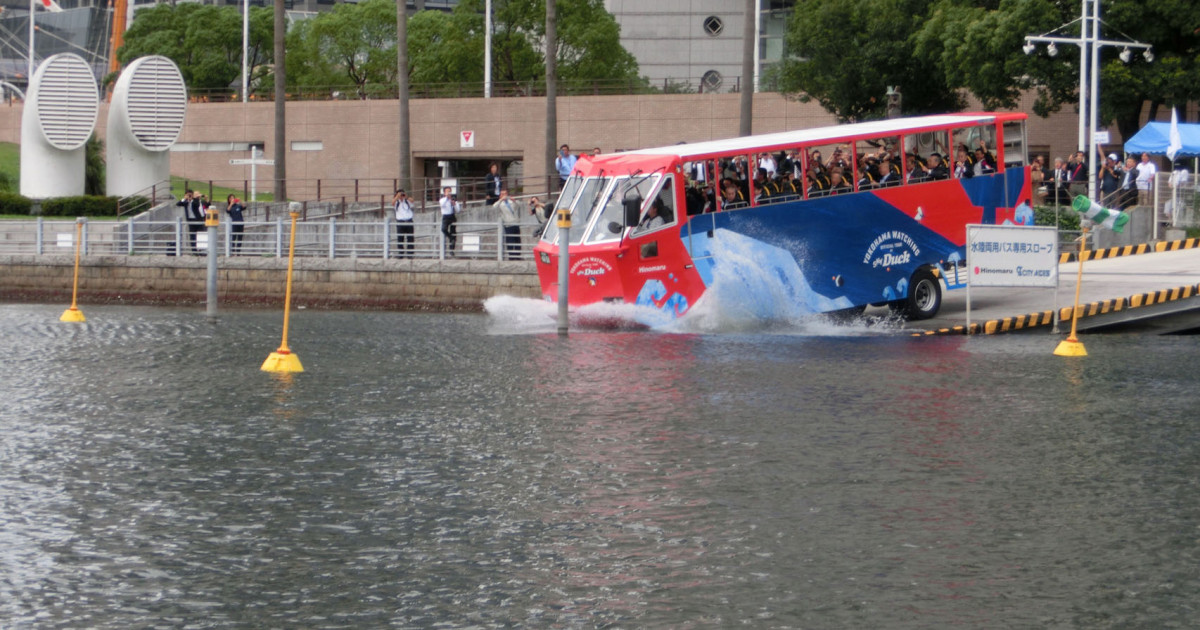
<point x="193" y="213"/>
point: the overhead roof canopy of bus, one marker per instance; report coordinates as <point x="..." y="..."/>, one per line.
<point x="790" y="139"/>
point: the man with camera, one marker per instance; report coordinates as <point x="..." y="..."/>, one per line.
<point x="193" y="212"/>
<point x="450" y="209"/>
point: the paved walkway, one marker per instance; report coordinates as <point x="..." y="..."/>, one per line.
<point x="1121" y="290"/>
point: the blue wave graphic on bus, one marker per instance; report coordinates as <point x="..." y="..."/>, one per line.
<point x="756" y="279"/>
<point x="827" y="249"/>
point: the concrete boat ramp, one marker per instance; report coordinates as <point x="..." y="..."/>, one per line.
<point x="1152" y="288"/>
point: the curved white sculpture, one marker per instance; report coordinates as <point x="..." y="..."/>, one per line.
<point x="144" y="120"/>
<point x="60" y="114"/>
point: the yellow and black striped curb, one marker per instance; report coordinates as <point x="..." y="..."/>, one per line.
<point x="1046" y="318"/>
<point x="1130" y="250"/>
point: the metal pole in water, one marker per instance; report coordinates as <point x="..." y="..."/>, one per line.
<point x="211" y="221"/>
<point x="564" y="265"/>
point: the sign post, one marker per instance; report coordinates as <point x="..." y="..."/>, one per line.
<point x="1011" y="256"/>
<point x="256" y="158"/>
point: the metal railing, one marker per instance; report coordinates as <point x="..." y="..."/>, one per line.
<point x="425" y="191"/>
<point x="329" y="238"/>
<point x="1175" y="200"/>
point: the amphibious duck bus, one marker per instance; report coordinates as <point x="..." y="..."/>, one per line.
<point x="828" y="219"/>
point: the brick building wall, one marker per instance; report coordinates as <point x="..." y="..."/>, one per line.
<point x="358" y="139"/>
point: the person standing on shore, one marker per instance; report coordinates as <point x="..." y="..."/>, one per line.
<point x="450" y="209"/>
<point x="404" y="224"/>
<point x="564" y="163"/>
<point x="234" y="208"/>
<point x="493" y="182"/>
<point x="511" y="221"/>
<point x="193" y="213"/>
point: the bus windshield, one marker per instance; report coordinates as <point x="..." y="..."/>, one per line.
<point x="609" y="226"/>
<point x="570" y="189"/>
<point x="586" y="204"/>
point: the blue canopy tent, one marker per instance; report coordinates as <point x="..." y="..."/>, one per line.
<point x="1155" y="136"/>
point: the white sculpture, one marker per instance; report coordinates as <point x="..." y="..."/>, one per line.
<point x="144" y="121"/>
<point x="60" y="113"/>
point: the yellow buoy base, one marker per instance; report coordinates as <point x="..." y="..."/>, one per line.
<point x="282" y="361"/>
<point x="72" y="315"/>
<point x="1070" y="347"/>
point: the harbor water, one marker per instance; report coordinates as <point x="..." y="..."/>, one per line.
<point x="478" y="471"/>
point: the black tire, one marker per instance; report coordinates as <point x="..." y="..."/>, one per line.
<point x="924" y="296"/>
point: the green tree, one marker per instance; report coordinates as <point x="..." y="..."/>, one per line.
<point x="353" y="46"/>
<point x="1170" y="80"/>
<point x="448" y="48"/>
<point x="845" y="55"/>
<point x="204" y="41"/>
<point x="979" y="49"/>
<point x="94" y="167"/>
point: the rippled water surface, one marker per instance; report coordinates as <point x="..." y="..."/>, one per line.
<point x="447" y="471"/>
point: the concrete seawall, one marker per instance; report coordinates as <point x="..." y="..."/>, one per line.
<point x="337" y="283"/>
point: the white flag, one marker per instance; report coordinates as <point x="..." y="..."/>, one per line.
<point x="1176" y="143"/>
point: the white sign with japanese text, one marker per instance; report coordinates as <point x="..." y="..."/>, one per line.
<point x="1012" y="256"/>
<point x="466" y="139"/>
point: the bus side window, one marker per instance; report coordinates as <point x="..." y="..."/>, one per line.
<point x="660" y="212"/>
<point x="1014" y="148"/>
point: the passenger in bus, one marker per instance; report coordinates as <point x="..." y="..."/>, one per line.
<point x="964" y="164"/>
<point x="888" y="176"/>
<point x="765" y="190"/>
<point x="814" y="161"/>
<point x="818" y="175"/>
<point x="696" y="198"/>
<point x="787" y="185"/>
<point x="732" y="197"/>
<point x="984" y="163"/>
<point x="918" y="169"/>
<point x="936" y="169"/>
<point x="869" y="173"/>
<point x="767" y="163"/>
<point x="838" y="185"/>
<point x="838" y="160"/>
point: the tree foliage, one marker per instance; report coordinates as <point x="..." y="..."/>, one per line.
<point x="447" y="48"/>
<point x="844" y="54"/>
<point x="354" y="46"/>
<point x="204" y="41"/>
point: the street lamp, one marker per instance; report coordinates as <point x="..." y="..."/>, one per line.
<point x="1029" y="48"/>
<point x="1089" y="43"/>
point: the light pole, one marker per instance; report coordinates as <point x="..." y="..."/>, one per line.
<point x="1089" y="43"/>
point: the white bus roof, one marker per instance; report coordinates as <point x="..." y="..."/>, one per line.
<point x="816" y="135"/>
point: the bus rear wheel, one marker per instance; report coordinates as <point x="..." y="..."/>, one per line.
<point x="924" y="297"/>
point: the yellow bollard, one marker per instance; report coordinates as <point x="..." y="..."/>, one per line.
<point x="282" y="360"/>
<point x="1071" y="346"/>
<point x="73" y="314"/>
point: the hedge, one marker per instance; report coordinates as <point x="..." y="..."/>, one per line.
<point x="82" y="206"/>
<point x="12" y="203"/>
